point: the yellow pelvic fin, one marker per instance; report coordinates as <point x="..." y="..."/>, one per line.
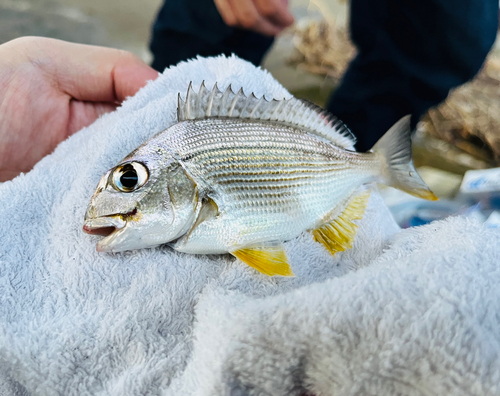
<point x="270" y="260"/>
<point x="338" y="235"/>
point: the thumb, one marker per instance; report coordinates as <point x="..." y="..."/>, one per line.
<point x="131" y="75"/>
<point x="90" y="73"/>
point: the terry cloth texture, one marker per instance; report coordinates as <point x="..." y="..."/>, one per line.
<point x="411" y="312"/>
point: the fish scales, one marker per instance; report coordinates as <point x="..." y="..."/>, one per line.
<point x="242" y="175"/>
<point x="224" y="155"/>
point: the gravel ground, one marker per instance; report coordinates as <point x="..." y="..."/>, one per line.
<point x="122" y="24"/>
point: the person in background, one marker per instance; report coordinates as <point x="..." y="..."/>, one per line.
<point x="410" y="53"/>
<point x="186" y="28"/>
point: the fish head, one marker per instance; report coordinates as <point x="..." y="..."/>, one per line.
<point x="144" y="201"/>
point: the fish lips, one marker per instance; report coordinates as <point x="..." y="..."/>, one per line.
<point x="112" y="227"/>
<point x="122" y="235"/>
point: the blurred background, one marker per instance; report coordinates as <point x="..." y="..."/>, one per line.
<point x="126" y="24"/>
<point x="456" y="146"/>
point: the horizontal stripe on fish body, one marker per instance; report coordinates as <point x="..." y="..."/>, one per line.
<point x="257" y="168"/>
<point x="200" y="135"/>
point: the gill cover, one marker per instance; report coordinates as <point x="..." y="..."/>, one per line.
<point x="141" y="204"/>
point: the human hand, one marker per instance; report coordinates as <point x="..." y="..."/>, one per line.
<point x="268" y="17"/>
<point x="50" y="89"/>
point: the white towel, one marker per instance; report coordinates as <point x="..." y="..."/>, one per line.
<point x="412" y="312"/>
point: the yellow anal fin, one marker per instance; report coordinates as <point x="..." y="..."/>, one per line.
<point x="338" y="235"/>
<point x="270" y="260"/>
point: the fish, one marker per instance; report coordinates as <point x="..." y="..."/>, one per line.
<point x="242" y="175"/>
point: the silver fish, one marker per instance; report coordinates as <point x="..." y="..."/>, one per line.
<point x="242" y="175"/>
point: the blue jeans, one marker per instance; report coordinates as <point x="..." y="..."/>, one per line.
<point x="186" y="28"/>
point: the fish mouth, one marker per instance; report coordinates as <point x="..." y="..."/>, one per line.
<point x="118" y="235"/>
<point x="104" y="226"/>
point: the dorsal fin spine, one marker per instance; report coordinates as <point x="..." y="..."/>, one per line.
<point x="293" y="109"/>
<point x="233" y="104"/>
<point x="308" y="120"/>
<point x="275" y="112"/>
<point x="251" y="100"/>
<point x="211" y="101"/>
<point x="180" y="107"/>
<point x="245" y="105"/>
<point x="202" y="87"/>
<point x="252" y="114"/>
<point x="187" y="112"/>
<point x="292" y="112"/>
<point x="223" y="103"/>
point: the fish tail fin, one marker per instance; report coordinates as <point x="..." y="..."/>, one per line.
<point x="394" y="149"/>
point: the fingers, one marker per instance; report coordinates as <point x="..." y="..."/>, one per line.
<point x="250" y="18"/>
<point x="226" y="12"/>
<point x="268" y="17"/>
<point x="101" y="74"/>
<point x="275" y="11"/>
<point x="85" y="72"/>
<point x="129" y="77"/>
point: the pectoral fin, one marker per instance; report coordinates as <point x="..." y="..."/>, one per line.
<point x="270" y="260"/>
<point x="338" y="235"/>
<point x="207" y="210"/>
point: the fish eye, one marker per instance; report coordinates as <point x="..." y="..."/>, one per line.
<point x="129" y="177"/>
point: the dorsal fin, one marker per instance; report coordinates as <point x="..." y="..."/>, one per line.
<point x="295" y="112"/>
